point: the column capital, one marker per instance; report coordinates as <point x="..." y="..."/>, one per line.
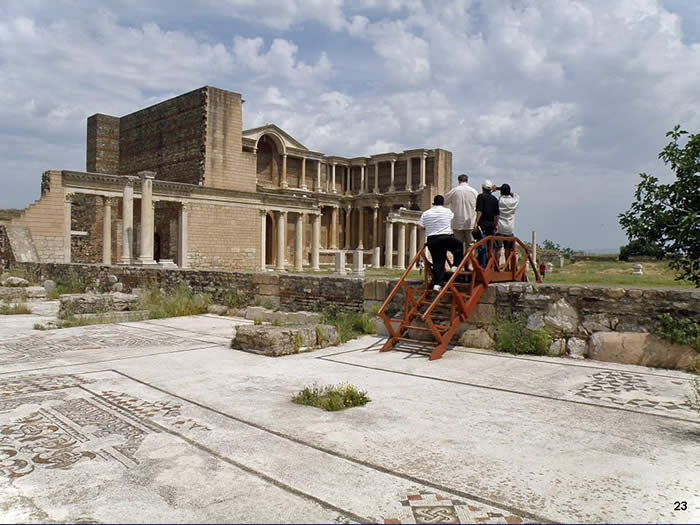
<point x="130" y="180"/>
<point x="144" y="175"/>
<point x="109" y="201"/>
<point x="282" y="212"/>
<point x="70" y="197"/>
<point x="263" y="211"/>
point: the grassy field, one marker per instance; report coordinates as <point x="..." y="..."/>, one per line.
<point x="656" y="273"/>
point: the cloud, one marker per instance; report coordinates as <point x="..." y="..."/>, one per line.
<point x="567" y="101"/>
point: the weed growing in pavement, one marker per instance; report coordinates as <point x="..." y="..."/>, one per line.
<point x="331" y="397"/>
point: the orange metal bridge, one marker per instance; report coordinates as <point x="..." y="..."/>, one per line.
<point x="430" y="319"/>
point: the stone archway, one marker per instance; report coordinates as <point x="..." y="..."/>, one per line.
<point x="269" y="160"/>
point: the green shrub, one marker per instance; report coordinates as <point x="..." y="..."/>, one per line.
<point x="234" y="299"/>
<point x="14" y="309"/>
<point x="679" y="331"/>
<point x="39" y="326"/>
<point x="180" y="301"/>
<point x="349" y="324"/>
<point x="258" y="321"/>
<point x="331" y="397"/>
<point x="512" y="336"/>
<point x="277" y="322"/>
<point x="70" y="283"/>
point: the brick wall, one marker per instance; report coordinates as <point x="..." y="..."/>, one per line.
<point x="225" y="165"/>
<point x="167" y="138"/>
<point x="45" y="219"/>
<point x="102" y="144"/>
<point x="223" y="237"/>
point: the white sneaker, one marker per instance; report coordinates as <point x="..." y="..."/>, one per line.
<point x="437" y="288"/>
<point x="453" y="269"/>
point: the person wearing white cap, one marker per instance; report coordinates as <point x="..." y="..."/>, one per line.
<point x="487" y="213"/>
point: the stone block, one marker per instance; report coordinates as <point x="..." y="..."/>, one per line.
<point x="615" y="293"/>
<point x="561" y="317"/>
<point x="15" y="282"/>
<point x="535" y="321"/>
<point x="358" y="266"/>
<point x="483" y="314"/>
<point x="268" y="289"/>
<point x="326" y="335"/>
<point x="576" y="347"/>
<point x="274" y="341"/>
<point x="217" y="309"/>
<point x="265" y="278"/>
<point x="639" y="349"/>
<point x="9" y="294"/>
<point x="476" y="338"/>
<point x="557" y="348"/>
<point x="255" y="312"/>
<point x="489" y="296"/>
<point x="369" y="291"/>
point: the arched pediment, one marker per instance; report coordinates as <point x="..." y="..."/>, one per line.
<point x="282" y="139"/>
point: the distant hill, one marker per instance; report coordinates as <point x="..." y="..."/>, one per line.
<point x="6" y="215"/>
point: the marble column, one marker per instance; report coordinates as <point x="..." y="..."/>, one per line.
<point x="67" y="227"/>
<point x="263" y="239"/>
<point x="303" y="174"/>
<point x="147" y="218"/>
<point x="362" y="179"/>
<point x="299" y="245"/>
<point x="361" y="228"/>
<point x="128" y="222"/>
<point x="412" y="241"/>
<point x="409" y="175"/>
<point x="422" y="171"/>
<point x="375" y="225"/>
<point x="401" y="255"/>
<point x="348" y="216"/>
<point x="281" y="239"/>
<point x="389" y="245"/>
<point x="183" y="236"/>
<point x="318" y="176"/>
<point x="376" y="177"/>
<point x="334" y="228"/>
<point x="333" y="190"/>
<point x="106" y="230"/>
<point x="348" y="177"/>
<point x="315" y="242"/>
<point x="391" y="184"/>
<point x="283" y="182"/>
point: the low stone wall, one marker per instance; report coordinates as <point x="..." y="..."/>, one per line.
<point x="573" y="314"/>
<point x="293" y="291"/>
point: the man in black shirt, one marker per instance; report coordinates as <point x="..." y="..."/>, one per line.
<point x="487" y="213"/>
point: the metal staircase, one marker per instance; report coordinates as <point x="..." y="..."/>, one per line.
<point x="430" y="319"/>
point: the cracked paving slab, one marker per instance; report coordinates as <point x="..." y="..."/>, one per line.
<point x="167" y="434"/>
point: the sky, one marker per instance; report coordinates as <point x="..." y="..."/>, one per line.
<point x="565" y="100"/>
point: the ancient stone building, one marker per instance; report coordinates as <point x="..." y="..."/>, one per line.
<point x="181" y="183"/>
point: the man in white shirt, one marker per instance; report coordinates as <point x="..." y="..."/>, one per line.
<point x="437" y="223"/>
<point x="462" y="201"/>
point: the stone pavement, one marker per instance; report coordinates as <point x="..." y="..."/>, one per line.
<point x="160" y="421"/>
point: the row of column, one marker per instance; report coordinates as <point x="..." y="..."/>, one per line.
<point x="299" y="241"/>
<point x="401" y="244"/>
<point x="364" y="181"/>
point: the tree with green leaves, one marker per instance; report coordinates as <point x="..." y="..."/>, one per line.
<point x="666" y="215"/>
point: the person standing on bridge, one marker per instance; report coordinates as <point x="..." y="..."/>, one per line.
<point x="462" y="201"/>
<point x="486" y="218"/>
<point x="507" y="204"/>
<point x="437" y="223"/>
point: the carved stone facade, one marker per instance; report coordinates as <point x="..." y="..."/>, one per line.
<point x="182" y="183"/>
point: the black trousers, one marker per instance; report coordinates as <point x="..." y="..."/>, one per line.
<point x="439" y="245"/>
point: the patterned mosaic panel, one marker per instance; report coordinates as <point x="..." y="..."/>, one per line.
<point x="110" y="426"/>
<point x="47" y="345"/>
<point x="626" y="389"/>
<point x="427" y="507"/>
